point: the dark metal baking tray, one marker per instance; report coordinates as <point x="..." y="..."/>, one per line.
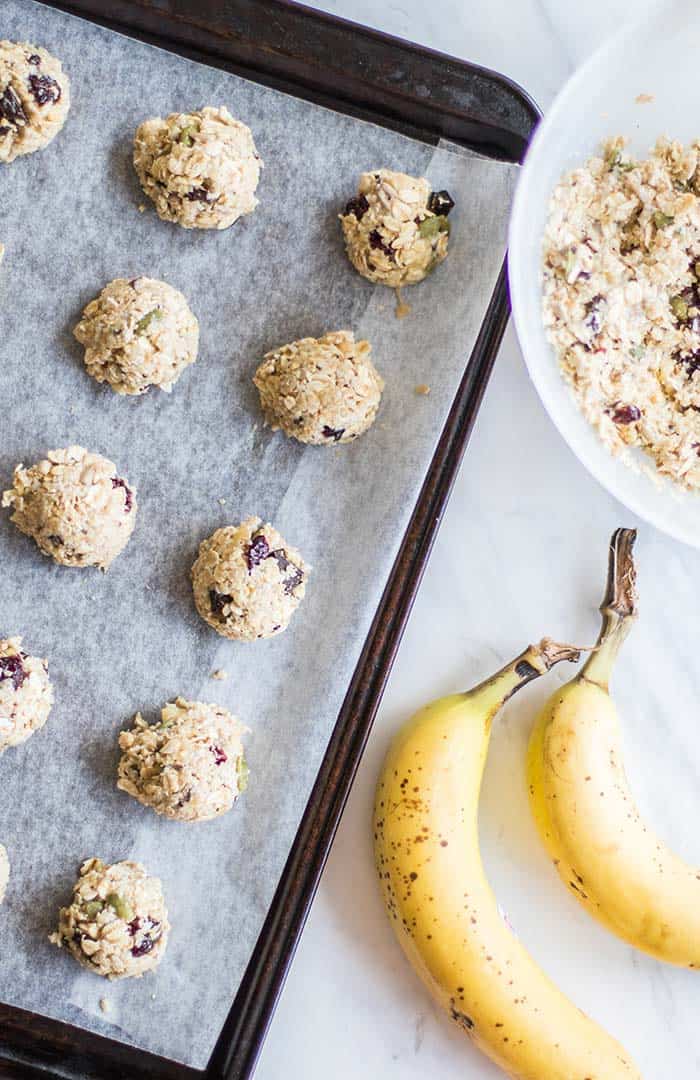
<point x="375" y="77"/>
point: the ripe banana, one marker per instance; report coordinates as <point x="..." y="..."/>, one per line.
<point x="613" y="863"/>
<point x="442" y="907"/>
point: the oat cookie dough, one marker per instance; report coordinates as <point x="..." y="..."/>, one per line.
<point x="34" y="99"/>
<point x="190" y="766"/>
<point x="116" y="924"/>
<point x="4" y="872"/>
<point x="138" y="333"/>
<point x="320" y="390"/>
<point x="621" y="300"/>
<point x="26" y="694"/>
<point x="396" y="229"/>
<point x="248" y="581"/>
<point x="200" y="169"/>
<point x="75" y="506"/>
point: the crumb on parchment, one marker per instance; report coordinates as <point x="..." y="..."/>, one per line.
<point x="105" y="1005"/>
<point x="220" y="675"/>
<point x="423" y="389"/>
<point x="643" y="99"/>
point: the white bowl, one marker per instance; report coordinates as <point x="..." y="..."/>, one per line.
<point x="659" y="56"/>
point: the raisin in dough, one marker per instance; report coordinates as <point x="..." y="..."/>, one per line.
<point x="190" y="766"/>
<point x="4" y="872"/>
<point x="34" y="99"/>
<point x="26" y="694"/>
<point x="200" y="169"/>
<point x="116" y="925"/>
<point x="138" y="333"/>
<point x="396" y="228"/>
<point x="320" y="390"/>
<point x="248" y="581"/>
<point x="75" y="506"/>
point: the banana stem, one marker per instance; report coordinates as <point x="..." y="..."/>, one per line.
<point x="533" y="662"/>
<point x="618" y="609"/>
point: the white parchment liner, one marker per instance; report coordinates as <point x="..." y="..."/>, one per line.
<point x="131" y="639"/>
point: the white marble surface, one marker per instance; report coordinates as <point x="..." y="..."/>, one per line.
<point x="521" y="552"/>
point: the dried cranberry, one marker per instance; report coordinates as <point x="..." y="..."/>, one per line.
<point x="335" y="434"/>
<point x="258" y="550"/>
<point x="357" y="206"/>
<point x="11" y="667"/>
<point x="144" y="946"/>
<point x="626" y="414"/>
<point x="218" y="601"/>
<point x="117" y="482"/>
<point x="294" y="580"/>
<point x="151" y="933"/>
<point x="219" y="755"/>
<point x="593" y="309"/>
<point x="57" y="541"/>
<point x="34" y="59"/>
<point x="376" y="242"/>
<point x="198" y="194"/>
<point x="44" y="89"/>
<point x="11" y="107"/>
<point x="691" y="361"/>
<point x="280" y="557"/>
<point x="440" y="203"/>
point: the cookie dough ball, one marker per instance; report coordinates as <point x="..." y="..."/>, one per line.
<point x="34" y="99"/>
<point x="320" y="390"/>
<point x="26" y="695"/>
<point x="396" y="228"/>
<point x="248" y="581"/>
<point x="200" y="169"/>
<point x="190" y="766"/>
<point x="4" y="872"/>
<point x="75" y="506"/>
<point x="117" y="924"/>
<point x="137" y="334"/>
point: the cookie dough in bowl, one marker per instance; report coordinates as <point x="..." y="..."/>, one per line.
<point x="26" y="694"/>
<point x="621" y="299"/>
<point x="75" y="506"/>
<point x="34" y="99"/>
<point x="320" y="390"/>
<point x="396" y="229"/>
<point x="138" y="333"/>
<point x="190" y="766"/>
<point x="117" y="924"/>
<point x="248" y="581"/>
<point x="201" y="169"/>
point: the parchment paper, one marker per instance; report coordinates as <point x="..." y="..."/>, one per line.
<point x="131" y="639"/>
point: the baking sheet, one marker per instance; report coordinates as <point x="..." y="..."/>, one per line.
<point x="200" y="458"/>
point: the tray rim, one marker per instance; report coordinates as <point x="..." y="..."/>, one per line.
<point x="33" y="1045"/>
